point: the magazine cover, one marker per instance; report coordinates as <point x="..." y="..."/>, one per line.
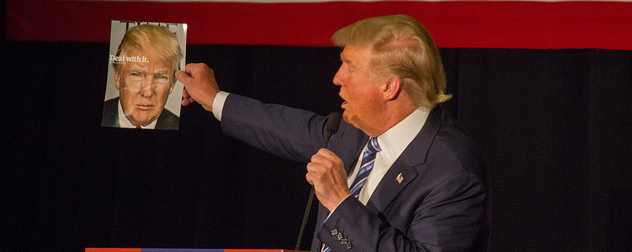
<point x="142" y="91"/>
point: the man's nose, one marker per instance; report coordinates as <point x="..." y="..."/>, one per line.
<point x="338" y="78"/>
<point x="147" y="86"/>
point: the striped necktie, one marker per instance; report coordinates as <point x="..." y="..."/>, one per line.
<point x="368" y="160"/>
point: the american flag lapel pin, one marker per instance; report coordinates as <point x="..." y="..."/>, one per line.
<point x="399" y="178"/>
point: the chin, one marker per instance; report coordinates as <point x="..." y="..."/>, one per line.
<point x="345" y="117"/>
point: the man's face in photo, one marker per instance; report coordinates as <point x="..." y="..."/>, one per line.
<point x="144" y="84"/>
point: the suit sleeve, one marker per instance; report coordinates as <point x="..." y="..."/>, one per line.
<point x="287" y="132"/>
<point x="447" y="218"/>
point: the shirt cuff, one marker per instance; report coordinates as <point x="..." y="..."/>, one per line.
<point x="218" y="104"/>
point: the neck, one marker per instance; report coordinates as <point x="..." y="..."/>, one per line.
<point x="393" y="113"/>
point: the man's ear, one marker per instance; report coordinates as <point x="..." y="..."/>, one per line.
<point x="392" y="88"/>
<point x="117" y="78"/>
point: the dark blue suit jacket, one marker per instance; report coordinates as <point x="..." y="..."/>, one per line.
<point x="442" y="204"/>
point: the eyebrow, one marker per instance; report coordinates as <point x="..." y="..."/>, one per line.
<point x="145" y="69"/>
<point x="346" y="60"/>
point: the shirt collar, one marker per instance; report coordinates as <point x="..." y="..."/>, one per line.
<point x="395" y="140"/>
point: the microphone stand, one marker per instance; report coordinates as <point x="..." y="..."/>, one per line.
<point x="305" y="217"/>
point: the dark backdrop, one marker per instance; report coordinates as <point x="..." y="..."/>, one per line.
<point x="554" y="125"/>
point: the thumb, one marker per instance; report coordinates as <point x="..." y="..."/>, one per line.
<point x="183" y="77"/>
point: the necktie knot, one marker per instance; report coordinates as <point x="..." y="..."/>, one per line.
<point x="373" y="147"/>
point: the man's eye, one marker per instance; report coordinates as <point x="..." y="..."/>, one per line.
<point x="135" y="74"/>
<point x="162" y="77"/>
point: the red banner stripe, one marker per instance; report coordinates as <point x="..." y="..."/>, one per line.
<point x="459" y="24"/>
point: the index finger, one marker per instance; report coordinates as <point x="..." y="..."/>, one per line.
<point x="326" y="153"/>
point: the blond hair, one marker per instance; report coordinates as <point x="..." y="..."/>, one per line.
<point x="403" y="47"/>
<point x="147" y="37"/>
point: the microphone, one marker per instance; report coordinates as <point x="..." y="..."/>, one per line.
<point x="331" y="127"/>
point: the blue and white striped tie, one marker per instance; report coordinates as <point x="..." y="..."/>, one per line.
<point x="368" y="160"/>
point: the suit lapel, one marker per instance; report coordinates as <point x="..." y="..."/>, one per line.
<point x="397" y="177"/>
<point x="402" y="171"/>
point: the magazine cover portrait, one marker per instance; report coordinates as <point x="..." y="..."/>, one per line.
<point x="142" y="91"/>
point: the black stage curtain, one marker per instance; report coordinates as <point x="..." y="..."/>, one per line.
<point x="555" y="126"/>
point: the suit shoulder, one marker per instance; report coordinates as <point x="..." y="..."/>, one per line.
<point x="109" y="118"/>
<point x="453" y="149"/>
<point x="168" y="120"/>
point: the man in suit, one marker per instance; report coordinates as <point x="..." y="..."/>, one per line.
<point x="144" y="74"/>
<point x="399" y="174"/>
